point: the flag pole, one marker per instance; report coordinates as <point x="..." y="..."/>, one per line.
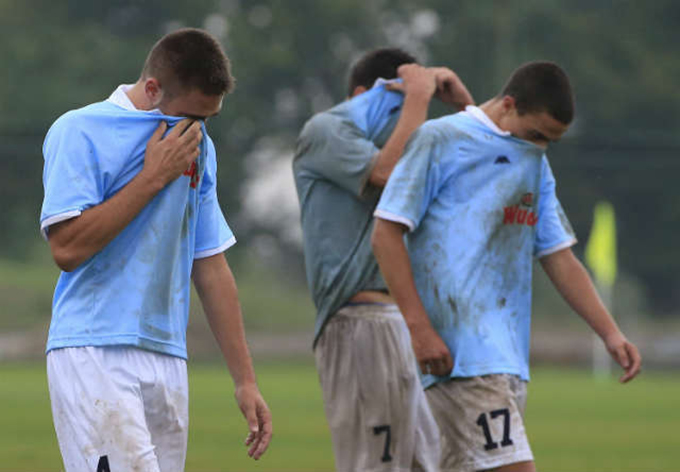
<point x="602" y="260"/>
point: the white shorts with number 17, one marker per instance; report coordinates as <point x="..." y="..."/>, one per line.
<point x="481" y="422"/>
<point x="119" y="409"/>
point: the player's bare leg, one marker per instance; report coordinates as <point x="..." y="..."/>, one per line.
<point x="527" y="466"/>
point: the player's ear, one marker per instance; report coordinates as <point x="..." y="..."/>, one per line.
<point x="508" y="104"/>
<point x="153" y="91"/>
<point x="358" y="90"/>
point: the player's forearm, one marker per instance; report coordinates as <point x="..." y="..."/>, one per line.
<point x="413" y="114"/>
<point x="217" y="290"/>
<point x="392" y="256"/>
<point x="75" y="240"/>
<point x="573" y="282"/>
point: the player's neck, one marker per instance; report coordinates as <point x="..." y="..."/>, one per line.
<point x="494" y="110"/>
<point x="138" y="97"/>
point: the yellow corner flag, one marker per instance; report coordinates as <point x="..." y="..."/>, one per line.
<point x="601" y="247"/>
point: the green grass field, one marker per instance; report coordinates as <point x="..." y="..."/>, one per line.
<point x="575" y="424"/>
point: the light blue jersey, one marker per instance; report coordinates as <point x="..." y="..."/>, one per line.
<point x="135" y="291"/>
<point x="334" y="157"/>
<point x="479" y="204"/>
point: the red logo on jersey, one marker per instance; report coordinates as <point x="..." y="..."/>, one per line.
<point x="520" y="214"/>
<point x="192" y="172"/>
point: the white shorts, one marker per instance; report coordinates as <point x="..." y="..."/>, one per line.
<point x="119" y="409"/>
<point x="481" y="420"/>
<point x="375" y="405"/>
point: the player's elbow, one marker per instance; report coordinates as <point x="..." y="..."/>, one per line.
<point x="378" y="178"/>
<point x="65" y="263"/>
<point x="66" y="258"/>
<point x="66" y="245"/>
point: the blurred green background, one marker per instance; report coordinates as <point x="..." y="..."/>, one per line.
<point x="290" y="59"/>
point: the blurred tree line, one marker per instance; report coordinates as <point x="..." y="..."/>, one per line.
<point x="291" y="58"/>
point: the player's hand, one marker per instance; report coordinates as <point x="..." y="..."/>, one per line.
<point x="431" y="352"/>
<point x="256" y="413"/>
<point x="168" y="157"/>
<point x="450" y="89"/>
<point x="625" y="354"/>
<point x="417" y="80"/>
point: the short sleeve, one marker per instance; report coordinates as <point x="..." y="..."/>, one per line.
<point x="71" y="176"/>
<point x="337" y="150"/>
<point x="553" y="230"/>
<point x="213" y="234"/>
<point x="414" y="182"/>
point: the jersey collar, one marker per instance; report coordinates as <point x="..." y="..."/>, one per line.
<point x="120" y="97"/>
<point x="482" y="117"/>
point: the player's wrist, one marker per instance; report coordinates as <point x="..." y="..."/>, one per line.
<point x="246" y="383"/>
<point x="152" y="183"/>
<point x="418" y="95"/>
<point x="613" y="336"/>
<point x="419" y="325"/>
<point x="246" y="390"/>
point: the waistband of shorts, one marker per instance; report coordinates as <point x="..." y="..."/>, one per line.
<point x="371" y="310"/>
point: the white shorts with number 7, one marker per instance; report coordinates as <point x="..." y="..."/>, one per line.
<point x="375" y="404"/>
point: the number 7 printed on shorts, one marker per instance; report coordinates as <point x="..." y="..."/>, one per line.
<point x="484" y="424"/>
<point x="387" y="429"/>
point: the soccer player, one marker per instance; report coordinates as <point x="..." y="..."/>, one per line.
<point x="476" y="194"/>
<point x="375" y="406"/>
<point x="131" y="214"/>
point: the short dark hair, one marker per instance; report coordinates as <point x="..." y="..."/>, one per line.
<point x="541" y="86"/>
<point x="189" y="58"/>
<point x="379" y="63"/>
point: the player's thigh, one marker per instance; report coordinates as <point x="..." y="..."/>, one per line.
<point x="427" y="454"/>
<point x="363" y="366"/>
<point x="527" y="466"/>
<point x="371" y="390"/>
<point x="98" y="411"/>
<point x="166" y="408"/>
<point x="481" y="421"/>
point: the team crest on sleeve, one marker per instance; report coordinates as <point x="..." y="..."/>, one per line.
<point x="522" y="213"/>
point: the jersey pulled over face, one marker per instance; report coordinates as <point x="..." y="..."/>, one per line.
<point x="192" y="104"/>
<point x="136" y="290"/>
<point x="479" y="203"/>
<point x="539" y="128"/>
<point x="333" y="160"/>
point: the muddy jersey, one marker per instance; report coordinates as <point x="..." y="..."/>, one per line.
<point x="479" y="204"/>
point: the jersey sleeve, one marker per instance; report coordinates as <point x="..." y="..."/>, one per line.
<point x="213" y="234"/>
<point x="413" y="184"/>
<point x="72" y="179"/>
<point x="337" y="150"/>
<point x="553" y="230"/>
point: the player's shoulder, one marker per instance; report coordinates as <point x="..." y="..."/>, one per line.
<point x="449" y="128"/>
<point x="324" y="131"/>
<point x="83" y="118"/>
<point x="322" y="124"/>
